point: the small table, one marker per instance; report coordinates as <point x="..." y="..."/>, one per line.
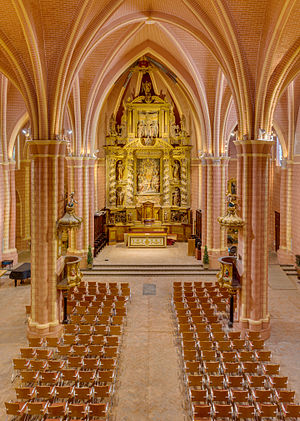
<point x="22" y="272"/>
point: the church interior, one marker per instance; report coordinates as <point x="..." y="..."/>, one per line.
<point x="149" y="210"/>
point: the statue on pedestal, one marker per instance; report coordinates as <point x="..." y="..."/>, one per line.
<point x="119" y="196"/>
<point x="176" y="170"/>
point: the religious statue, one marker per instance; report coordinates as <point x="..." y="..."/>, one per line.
<point x="147" y="88"/>
<point x="176" y="170"/>
<point x="119" y="170"/>
<point x="72" y="201"/>
<point x="141" y="128"/>
<point x="119" y="196"/>
<point x="176" y="199"/>
<point x="112" y="126"/>
<point x="154" y="129"/>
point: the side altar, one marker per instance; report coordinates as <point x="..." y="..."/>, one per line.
<point x="148" y="164"/>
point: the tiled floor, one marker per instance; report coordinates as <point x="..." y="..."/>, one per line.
<point x="149" y="385"/>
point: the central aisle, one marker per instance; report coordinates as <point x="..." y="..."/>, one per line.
<point x="149" y="387"/>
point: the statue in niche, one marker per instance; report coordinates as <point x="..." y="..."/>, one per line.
<point x="176" y="170"/>
<point x="183" y="131"/>
<point x="176" y="199"/>
<point x="119" y="196"/>
<point x="119" y="170"/>
<point x="112" y="126"/>
<point x="154" y="129"/>
<point x="147" y="88"/>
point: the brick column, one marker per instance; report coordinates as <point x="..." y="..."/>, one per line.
<point x="285" y="255"/>
<point x="215" y="180"/>
<point x="81" y="180"/>
<point x="1" y="209"/>
<point x="9" y="232"/>
<point x="44" y="318"/>
<point x="253" y="189"/>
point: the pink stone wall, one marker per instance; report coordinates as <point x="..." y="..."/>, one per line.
<point x="296" y="207"/>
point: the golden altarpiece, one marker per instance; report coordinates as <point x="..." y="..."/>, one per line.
<point x="148" y="159"/>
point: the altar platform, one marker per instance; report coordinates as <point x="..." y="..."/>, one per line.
<point x="146" y="239"/>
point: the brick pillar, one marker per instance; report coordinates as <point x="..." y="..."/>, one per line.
<point x="81" y="181"/>
<point x="1" y="209"/>
<point x="9" y="234"/>
<point x="44" y="318"/>
<point x="253" y="189"/>
<point x="285" y="255"/>
<point x="215" y="179"/>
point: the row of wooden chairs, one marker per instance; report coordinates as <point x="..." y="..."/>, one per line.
<point x="226" y="376"/>
<point x="73" y="376"/>
<point x="57" y="411"/>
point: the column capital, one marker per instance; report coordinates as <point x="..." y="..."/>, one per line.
<point x="253" y="147"/>
<point x="47" y="148"/>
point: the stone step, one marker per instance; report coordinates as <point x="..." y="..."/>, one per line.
<point x="146" y="271"/>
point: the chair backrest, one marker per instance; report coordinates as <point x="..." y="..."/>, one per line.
<point x="36" y="408"/>
<point x="15" y="408"/>
<point x="97" y="410"/>
<point x="78" y="410"/>
<point x="222" y="410"/>
<point x="57" y="409"/>
<point x="202" y="411"/>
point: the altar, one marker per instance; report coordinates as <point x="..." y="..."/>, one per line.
<point x="148" y="166"/>
<point x="146" y="239"/>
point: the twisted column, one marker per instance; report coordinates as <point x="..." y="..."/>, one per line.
<point x="112" y="182"/>
<point x="166" y="182"/>
<point x="184" y="183"/>
<point x="130" y="182"/>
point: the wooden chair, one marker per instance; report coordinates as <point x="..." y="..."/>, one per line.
<point x="208" y="355"/>
<point x="219" y="336"/>
<point x="211" y="367"/>
<point x="77" y="410"/>
<point x="21" y="364"/>
<point x="57" y="410"/>
<point x="224" y="346"/>
<point x="102" y="393"/>
<point x="115" y="330"/>
<point x="25" y="393"/>
<point x="222" y="411"/>
<point x="87" y="377"/>
<point x="36" y="408"/>
<point x="98" y="339"/>
<point x="192" y="367"/>
<point x="45" y="393"/>
<point x="198" y="396"/>
<point x="271" y="369"/>
<point x="262" y="396"/>
<point x="256" y="344"/>
<point x="108" y="363"/>
<point x="105" y="376"/>
<point x="44" y="353"/>
<point x="91" y="363"/>
<point x="235" y="382"/>
<point x="234" y="335"/>
<point x="69" y="376"/>
<point x="64" y="392"/>
<point x="267" y="410"/>
<point x="263" y="355"/>
<point x="250" y="367"/>
<point x="49" y="377"/>
<point x="28" y="352"/>
<point x="98" y="411"/>
<point x="29" y="377"/>
<point x="231" y="368"/>
<point x="190" y="355"/>
<point x="228" y="356"/>
<point x="244" y="412"/>
<point x="284" y="396"/>
<point x="278" y="382"/>
<point x="52" y="342"/>
<point x="85" y="329"/>
<point x="220" y="395"/>
<point x="95" y="350"/>
<point x="112" y="341"/>
<point x="246" y="356"/>
<point x="239" y="344"/>
<point x="257" y="381"/>
<point x="36" y="342"/>
<point x="202" y="412"/>
<point x="75" y="361"/>
<point x="40" y="365"/>
<point x="240" y="397"/>
<point x="80" y="350"/>
<point x="56" y="364"/>
<point x="216" y="381"/>
<point x="100" y="329"/>
<point x="17" y="409"/>
<point x="110" y="351"/>
<point x="195" y="381"/>
<point x="205" y="345"/>
<point x="70" y="339"/>
<point x="70" y="328"/>
<point x="290" y="410"/>
<point x="83" y="394"/>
